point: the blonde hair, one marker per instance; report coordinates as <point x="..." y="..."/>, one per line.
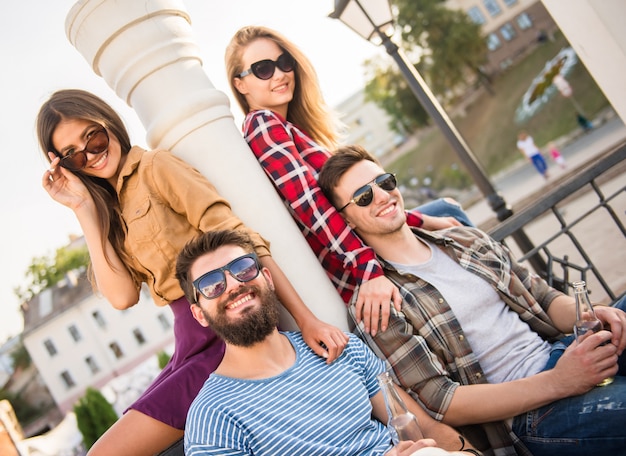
<point x="307" y="110"/>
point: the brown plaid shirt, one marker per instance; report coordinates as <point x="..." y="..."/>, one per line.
<point x="426" y="346"/>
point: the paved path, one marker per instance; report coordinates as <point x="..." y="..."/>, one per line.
<point x="521" y="179"/>
<point x="598" y="234"/>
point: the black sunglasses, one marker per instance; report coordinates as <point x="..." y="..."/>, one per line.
<point x="212" y="284"/>
<point x="264" y="69"/>
<point x="97" y="142"/>
<point x="364" y="195"/>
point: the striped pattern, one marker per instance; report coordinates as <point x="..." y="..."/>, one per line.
<point x="310" y="409"/>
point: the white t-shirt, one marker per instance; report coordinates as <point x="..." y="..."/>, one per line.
<point x="506" y="347"/>
<point x="312" y="408"/>
<point x="528" y="146"/>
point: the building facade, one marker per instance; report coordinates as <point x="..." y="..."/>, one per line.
<point x="77" y="339"/>
<point x="367" y="125"/>
<point x="511" y="27"/>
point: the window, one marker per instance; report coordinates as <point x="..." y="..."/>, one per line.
<point x="493" y="42"/>
<point x="165" y="323"/>
<point x="524" y="21"/>
<point x="52" y="350"/>
<point x="99" y="319"/>
<point x="116" y="349"/>
<point x="492" y="7"/>
<point x="75" y="333"/>
<point x="139" y="336"/>
<point x="93" y="366"/>
<point x="68" y="381"/>
<point x="510" y="2"/>
<point x="476" y="15"/>
<point x="508" y="32"/>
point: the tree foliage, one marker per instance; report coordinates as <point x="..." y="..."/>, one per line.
<point x="390" y="91"/>
<point x="163" y="358"/>
<point x="449" y="47"/>
<point x="46" y="271"/>
<point x="20" y="357"/>
<point x="94" y="415"/>
<point x="452" y="43"/>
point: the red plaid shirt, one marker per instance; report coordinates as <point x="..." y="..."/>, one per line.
<point x="292" y="161"/>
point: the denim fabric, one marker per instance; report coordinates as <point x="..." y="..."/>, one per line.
<point x="590" y="424"/>
<point x="442" y="208"/>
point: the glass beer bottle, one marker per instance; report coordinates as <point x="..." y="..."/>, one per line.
<point x="402" y="423"/>
<point x="586" y="319"/>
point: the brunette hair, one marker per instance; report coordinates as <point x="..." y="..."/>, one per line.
<point x="79" y="104"/>
<point x="337" y="165"/>
<point x="206" y="243"/>
<point x="307" y="110"/>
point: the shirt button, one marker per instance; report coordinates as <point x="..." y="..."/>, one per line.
<point x="440" y="300"/>
<point x="479" y="375"/>
<point x="461" y="337"/>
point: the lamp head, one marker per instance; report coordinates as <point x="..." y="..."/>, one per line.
<point x="368" y="18"/>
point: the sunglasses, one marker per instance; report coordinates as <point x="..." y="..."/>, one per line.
<point x="212" y="284"/>
<point x="264" y="69"/>
<point x="364" y="195"/>
<point x="97" y="143"/>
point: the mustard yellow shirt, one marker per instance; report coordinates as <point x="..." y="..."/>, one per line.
<point x="165" y="202"/>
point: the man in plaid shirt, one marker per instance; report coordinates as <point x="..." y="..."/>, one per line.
<point x="479" y="340"/>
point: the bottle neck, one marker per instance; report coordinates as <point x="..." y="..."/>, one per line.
<point x="395" y="404"/>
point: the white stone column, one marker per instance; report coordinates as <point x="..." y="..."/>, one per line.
<point x="145" y="51"/>
<point x="595" y="29"/>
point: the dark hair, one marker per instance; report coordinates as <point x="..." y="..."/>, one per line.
<point x="337" y="165"/>
<point x="202" y="244"/>
<point x="79" y="104"/>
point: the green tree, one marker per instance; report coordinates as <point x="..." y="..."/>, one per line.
<point x="451" y="43"/>
<point x="448" y="47"/>
<point x="45" y="271"/>
<point x="163" y="358"/>
<point x="389" y="90"/>
<point x="20" y="357"/>
<point x="94" y="415"/>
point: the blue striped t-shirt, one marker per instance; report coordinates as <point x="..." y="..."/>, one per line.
<point x="310" y="409"/>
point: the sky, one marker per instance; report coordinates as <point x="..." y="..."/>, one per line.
<point x="37" y="59"/>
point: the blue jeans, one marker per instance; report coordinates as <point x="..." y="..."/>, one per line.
<point x="539" y="163"/>
<point x="590" y="424"/>
<point x="442" y="208"/>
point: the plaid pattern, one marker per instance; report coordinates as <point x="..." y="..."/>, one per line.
<point x="425" y="344"/>
<point x="292" y="161"/>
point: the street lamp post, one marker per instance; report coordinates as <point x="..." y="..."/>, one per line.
<point x="373" y="20"/>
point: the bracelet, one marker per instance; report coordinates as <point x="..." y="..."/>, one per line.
<point x="468" y="450"/>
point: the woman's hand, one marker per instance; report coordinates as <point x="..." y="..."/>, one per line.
<point x="63" y="186"/>
<point x="325" y="340"/>
<point x="431" y="223"/>
<point x="374" y="300"/>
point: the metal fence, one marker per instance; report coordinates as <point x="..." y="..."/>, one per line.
<point x="577" y="228"/>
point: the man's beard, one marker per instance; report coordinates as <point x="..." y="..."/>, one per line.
<point x="253" y="325"/>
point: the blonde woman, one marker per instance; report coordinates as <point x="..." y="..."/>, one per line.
<point x="291" y="130"/>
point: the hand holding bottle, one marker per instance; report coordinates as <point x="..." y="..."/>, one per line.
<point x="586" y="319"/>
